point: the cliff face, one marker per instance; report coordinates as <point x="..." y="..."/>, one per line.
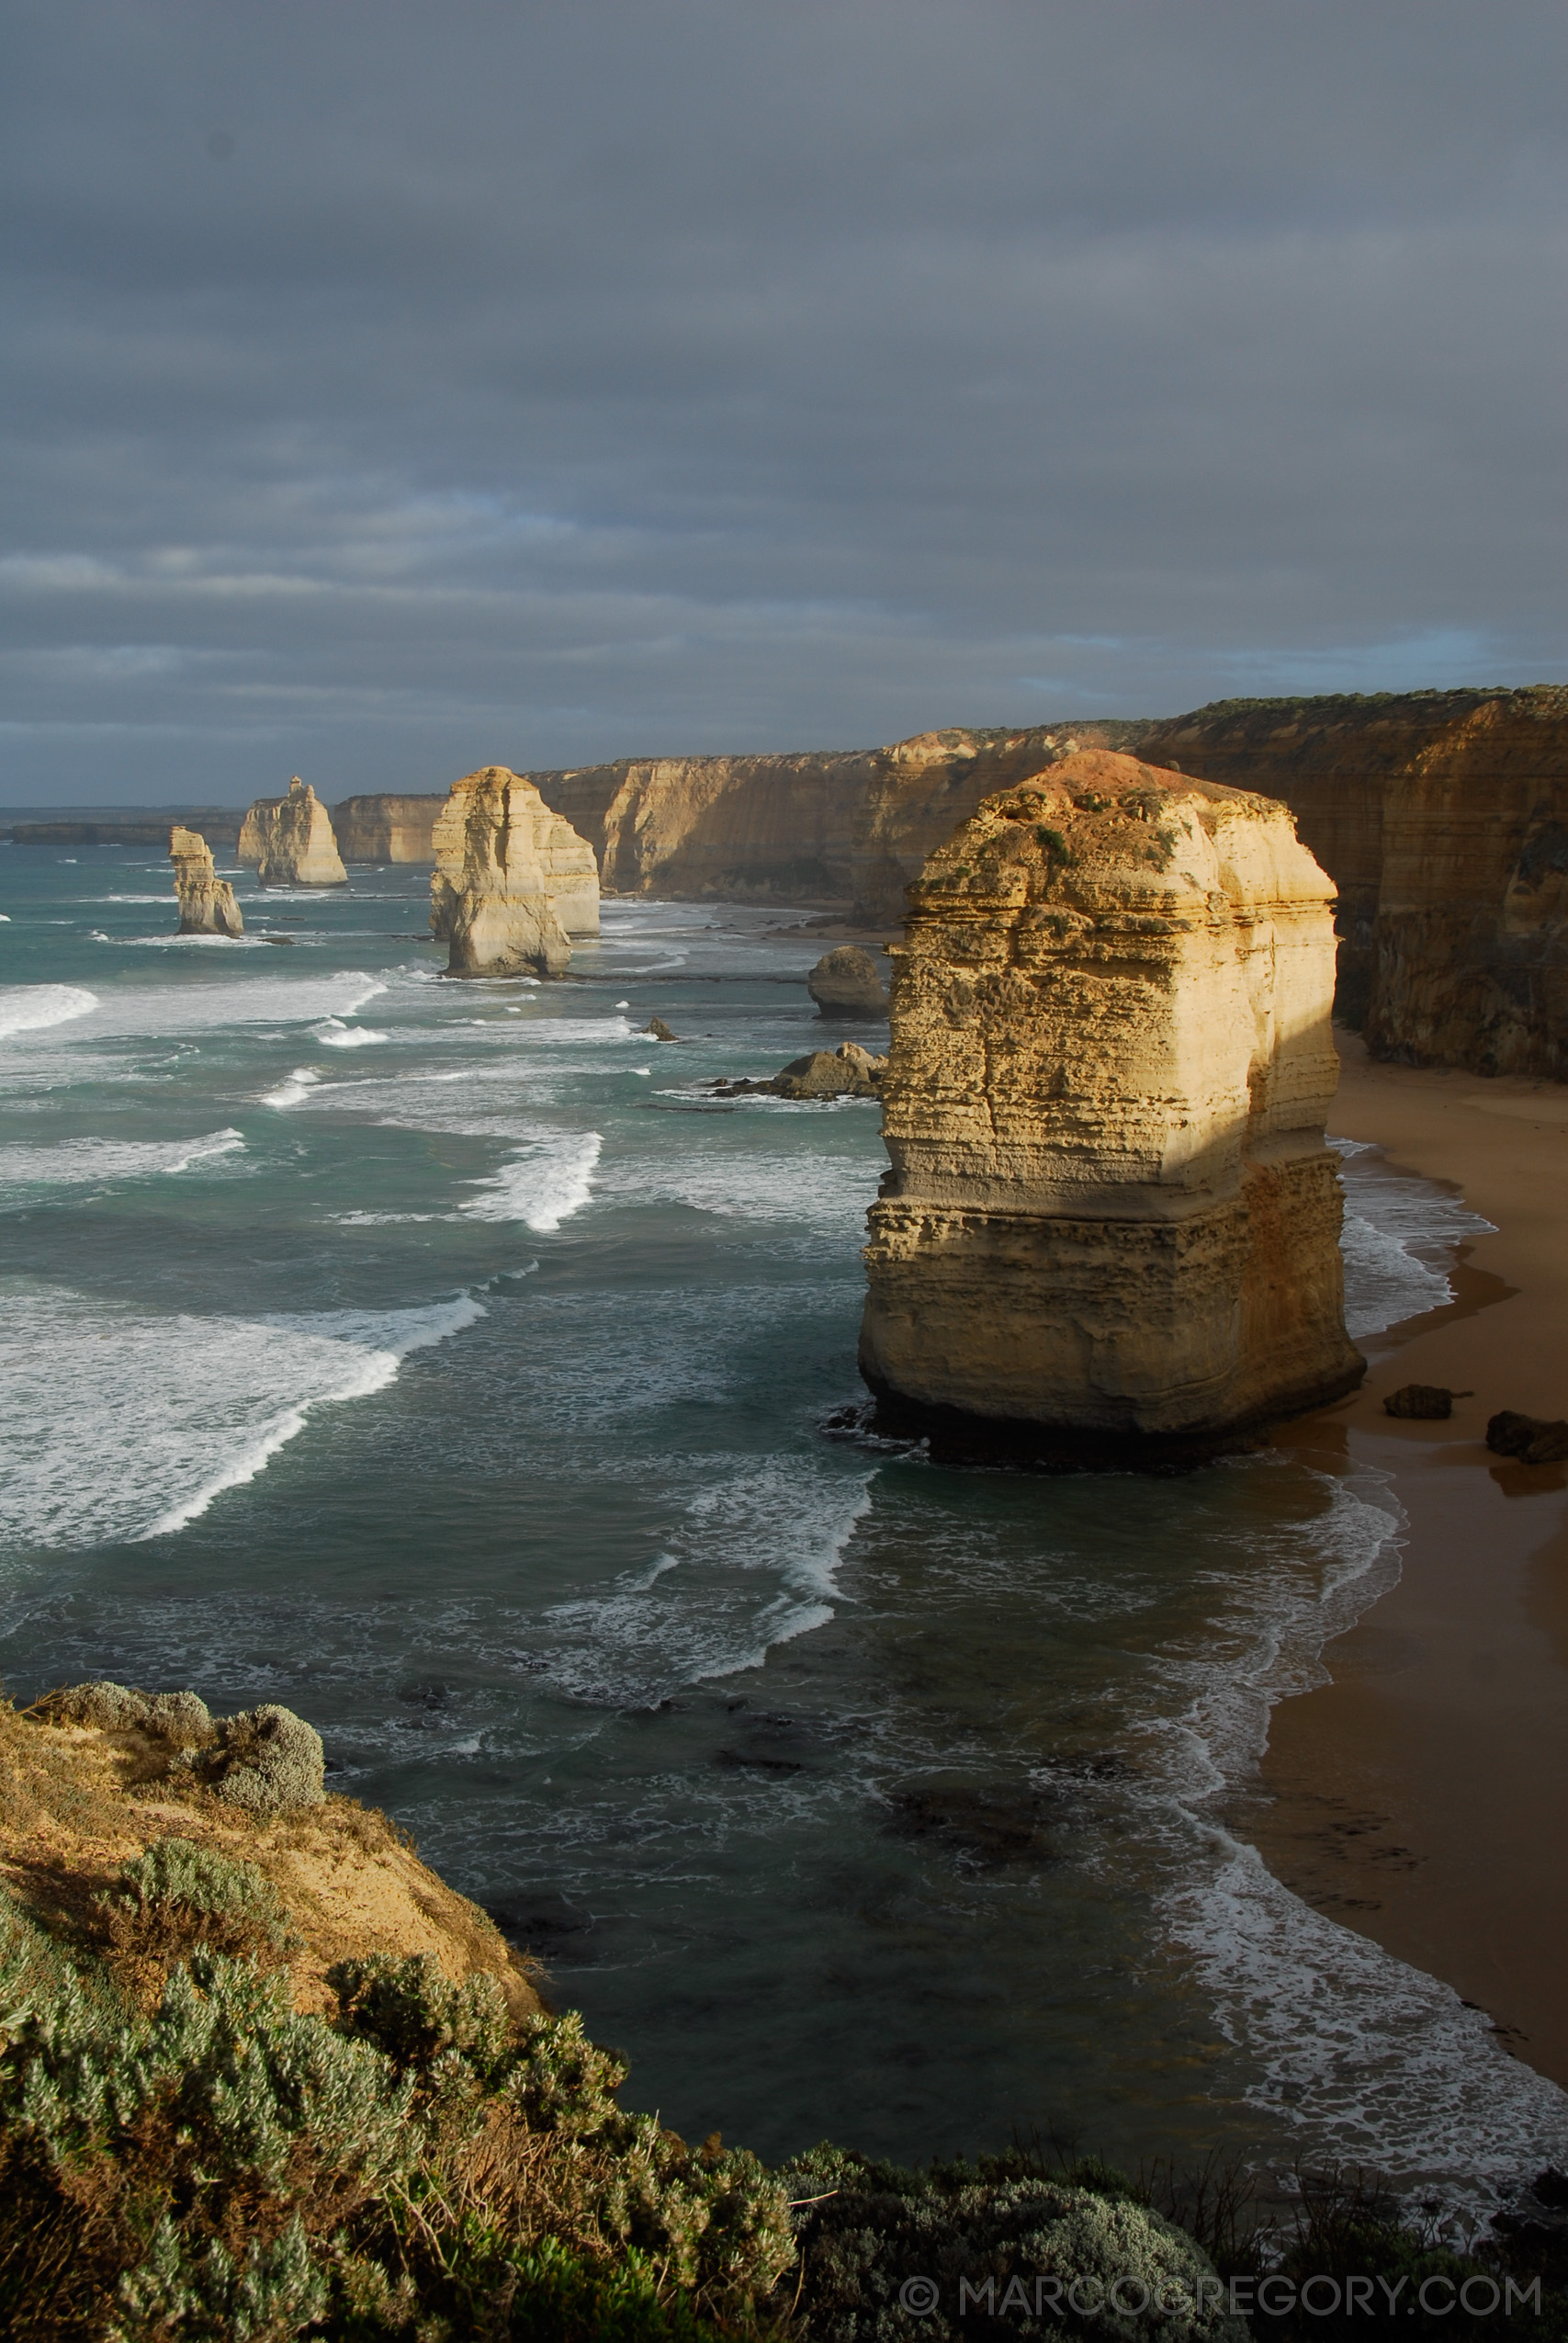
<point x="1443" y="820"/>
<point x="1111" y="1223"/>
<point x="831" y="827"/>
<point x="291" y="841"/>
<point x="207" y="903"/>
<point x="386" y="830"/>
<point x="513" y="881"/>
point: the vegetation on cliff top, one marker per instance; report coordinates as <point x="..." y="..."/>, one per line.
<point x="185" y="2152"/>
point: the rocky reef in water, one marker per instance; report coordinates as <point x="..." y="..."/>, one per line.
<point x="207" y="903"/>
<point x="291" y="841"/>
<point x="1442" y="818"/>
<point x="1110" y="1228"/>
<point x="387" y="829"/>
<point x="513" y="882"/>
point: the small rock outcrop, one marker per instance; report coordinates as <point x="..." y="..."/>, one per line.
<point x="656" y="1030"/>
<point x="207" y="903"/>
<point x="1424" y="1402"/>
<point x="513" y="884"/>
<point x="291" y="841"/>
<point x="848" y="1071"/>
<point x="1531" y="1437"/>
<point x="1110" y="1228"/>
<point x="847" y="983"/>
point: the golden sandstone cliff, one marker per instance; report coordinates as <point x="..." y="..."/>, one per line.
<point x="1110" y="1228"/>
<point x="513" y="884"/>
<point x="1442" y="818"/>
<point x="207" y="903"/>
<point x="387" y="829"/>
<point x="291" y="841"/>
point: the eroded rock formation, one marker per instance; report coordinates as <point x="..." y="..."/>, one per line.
<point x="847" y="983"/>
<point x="1442" y="818"/>
<point x="513" y="881"/>
<point x="827" y="826"/>
<point x="207" y="903"/>
<point x="291" y="841"/>
<point x="387" y="829"/>
<point x="1110" y="1228"/>
<point x="848" y="1071"/>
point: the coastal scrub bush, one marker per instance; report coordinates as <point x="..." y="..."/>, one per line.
<point x="998" y="2243"/>
<point x="177" y="1896"/>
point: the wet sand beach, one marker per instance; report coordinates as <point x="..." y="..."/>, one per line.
<point x="1422" y="1795"/>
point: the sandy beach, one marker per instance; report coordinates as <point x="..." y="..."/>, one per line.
<point x="1422" y="1796"/>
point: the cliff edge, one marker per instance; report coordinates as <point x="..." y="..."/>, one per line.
<point x="207" y="903"/>
<point x="387" y="829"/>
<point x="1109" y="1232"/>
<point x="513" y="882"/>
<point x="291" y="841"/>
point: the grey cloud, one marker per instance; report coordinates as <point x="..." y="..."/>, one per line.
<point x="549" y="382"/>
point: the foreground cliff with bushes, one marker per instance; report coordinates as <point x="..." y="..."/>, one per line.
<point x="263" y="2075"/>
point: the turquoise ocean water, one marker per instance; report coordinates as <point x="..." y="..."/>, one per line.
<point x="436" y="1359"/>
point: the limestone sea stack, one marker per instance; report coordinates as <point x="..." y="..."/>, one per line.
<point x="847" y="983"/>
<point x="290" y="840"/>
<point x="513" y="882"/>
<point x="207" y="903"/>
<point x="1111" y="1230"/>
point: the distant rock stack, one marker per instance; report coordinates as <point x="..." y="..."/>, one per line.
<point x="513" y="882"/>
<point x="846" y="983"/>
<point x="291" y="841"/>
<point x="1110" y="1234"/>
<point x="386" y="829"/>
<point x="207" y="903"/>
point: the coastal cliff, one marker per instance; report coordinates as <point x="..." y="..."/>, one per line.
<point x="207" y="903"/>
<point x="291" y="841"/>
<point x="387" y="829"/>
<point x="848" y="827"/>
<point x="1442" y="818"/>
<point x="513" y="881"/>
<point x="1111" y="1226"/>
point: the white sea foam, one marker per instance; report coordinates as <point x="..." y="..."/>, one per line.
<point x="29" y="1008"/>
<point x="825" y="1191"/>
<point x="298" y="1086"/>
<point x="1398" y="1240"/>
<point x="754" y="1563"/>
<point x="89" y="1162"/>
<point x="141" y="1422"/>
<point x="543" y="1186"/>
<point x="335" y="1035"/>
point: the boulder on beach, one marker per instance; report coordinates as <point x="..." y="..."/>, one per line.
<point x="1531" y="1439"/>
<point x="1426" y="1402"/>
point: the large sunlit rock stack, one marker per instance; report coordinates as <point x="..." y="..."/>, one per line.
<point x="513" y="882"/>
<point x="1110" y="1228"/>
<point x="291" y="841"/>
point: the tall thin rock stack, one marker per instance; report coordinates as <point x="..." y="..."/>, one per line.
<point x="513" y="882"/>
<point x="207" y="903"/>
<point x="291" y="841"/>
<point x="1111" y="1230"/>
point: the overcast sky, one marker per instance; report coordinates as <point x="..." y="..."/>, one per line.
<point x="392" y="389"/>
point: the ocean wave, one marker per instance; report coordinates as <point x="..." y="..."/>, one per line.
<point x="30" y="1008"/>
<point x="335" y="1034"/>
<point x="542" y="1187"/>
<point x="754" y="1564"/>
<point x="142" y="1421"/>
<point x="86" y="1162"/>
<point x="298" y="1086"/>
<point x="1398" y="1239"/>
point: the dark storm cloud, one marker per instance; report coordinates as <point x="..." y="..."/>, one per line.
<point x="392" y="388"/>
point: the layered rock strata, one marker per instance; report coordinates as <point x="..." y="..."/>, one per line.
<point x="513" y="881"/>
<point x="1442" y="818"/>
<point x="1110" y="1228"/>
<point x="847" y="983"/>
<point x="207" y="903"/>
<point x="291" y="841"/>
<point x="830" y="826"/>
<point x="387" y="829"/>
